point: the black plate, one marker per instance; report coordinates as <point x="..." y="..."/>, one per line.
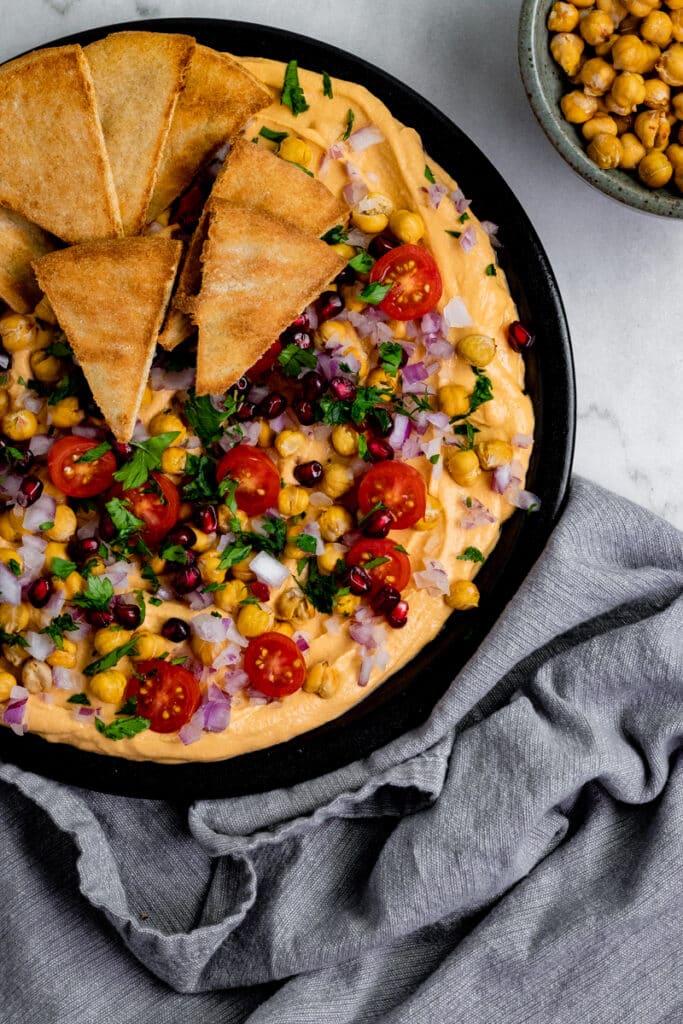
<point x="407" y="698"/>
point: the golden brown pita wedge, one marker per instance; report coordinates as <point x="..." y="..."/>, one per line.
<point x="176" y="329"/>
<point x="20" y="243"/>
<point x="110" y="298"/>
<point x="258" y="274"/>
<point x="218" y="99"/>
<point x="138" y="77"/>
<point x="54" y="168"/>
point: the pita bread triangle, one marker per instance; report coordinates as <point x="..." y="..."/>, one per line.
<point x="258" y="274"/>
<point x="54" y="167"/>
<point x="218" y="99"/>
<point x="138" y="77"/>
<point x="20" y="243"/>
<point x="110" y="298"/>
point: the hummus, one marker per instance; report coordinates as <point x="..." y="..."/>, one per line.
<point x="394" y="167"/>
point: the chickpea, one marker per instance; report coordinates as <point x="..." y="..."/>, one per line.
<point x="209" y="565"/>
<point x="20" y="425"/>
<point x="253" y="620"/>
<point x="292" y="604"/>
<point x="640" y="8"/>
<point x="372" y="213"/>
<point x="334" y="522"/>
<point x="577" y="107"/>
<point x="583" y="4"/>
<point x="603" y="124"/>
<point x="346" y="604"/>
<point x="651" y="55"/>
<point x="7" y="683"/>
<point x="462" y="596"/>
<point x="14" y="618"/>
<point x="64" y="525"/>
<point x="677" y="105"/>
<point x="628" y="54"/>
<point x="266" y="435"/>
<point x="36" y="676"/>
<point x="407" y="226"/>
<point x="596" y="27"/>
<point x="657" y="94"/>
<point x="477" y="349"/>
<point x="655" y="169"/>
<point x="454" y="400"/>
<point x="332" y="553"/>
<point x="72" y="585"/>
<point x="657" y="28"/>
<point x="628" y="91"/>
<point x="597" y="76"/>
<point x="205" y="650"/>
<point x="64" y="658"/>
<point x="18" y="332"/>
<point x="567" y="50"/>
<point x="107" y="640"/>
<point x="632" y="151"/>
<point x="149" y="645"/>
<point x="344" y="439"/>
<point x="563" y="17"/>
<point x="45" y="367"/>
<point x="288" y="442"/>
<point x="203" y="541"/>
<point x="347" y="252"/>
<point x="321" y="679"/>
<point x="228" y="599"/>
<point x="432" y="516"/>
<point x="463" y="466"/>
<point x="109" y="686"/>
<point x="242" y="570"/>
<point x="605" y="49"/>
<point x="4" y="401"/>
<point x="379" y="378"/>
<point x="675" y="5"/>
<point x="653" y="129"/>
<point x="173" y="460"/>
<point x="677" y="25"/>
<point x="615" y="9"/>
<point x="226" y="518"/>
<point x="337" y="480"/>
<point x="624" y="122"/>
<point x="605" y="151"/>
<point x="286" y="628"/>
<point x="292" y="500"/>
<point x="492" y="454"/>
<point x="295" y="151"/>
<point x="16" y="656"/>
<point x="66" y="413"/>
<point x="670" y="65"/>
<point x="167" y="423"/>
<point x="675" y="155"/>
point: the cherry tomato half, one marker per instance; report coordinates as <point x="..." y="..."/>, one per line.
<point x="156" y="502"/>
<point x="79" y="479"/>
<point x="415" y="279"/>
<point x="266" y="361"/>
<point x="395" y="570"/>
<point x="167" y="694"/>
<point x="400" y="488"/>
<point x="258" y="481"/>
<point x="274" y="664"/>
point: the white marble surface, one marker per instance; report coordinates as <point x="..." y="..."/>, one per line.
<point x="620" y="272"/>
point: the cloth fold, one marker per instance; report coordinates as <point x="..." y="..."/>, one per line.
<point x="516" y="858"/>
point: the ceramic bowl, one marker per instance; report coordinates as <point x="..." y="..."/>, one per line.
<point x="545" y="84"/>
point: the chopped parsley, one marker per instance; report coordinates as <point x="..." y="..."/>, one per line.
<point x="122" y="728"/>
<point x="272" y="540"/>
<point x="491" y="270"/>
<point x="466" y="429"/>
<point x="44" y="527"/>
<point x="268" y="133"/>
<point x="320" y="590"/>
<point x="66" y="387"/>
<point x="350" y="118"/>
<point x="293" y="360"/>
<point x="375" y="292"/>
<point x="145" y="459"/>
<point x="379" y="506"/>
<point x="111" y="659"/>
<point x="202" y="485"/>
<point x="454" y="234"/>
<point x="390" y="357"/>
<point x="307" y="542"/>
<point x="206" y="419"/>
<point x="463" y="217"/>
<point x="434" y="458"/>
<point x="56" y="629"/>
<point x="362" y="262"/>
<point x="97" y="596"/>
<point x="327" y="86"/>
<point x="60" y="349"/>
<point x="129" y="707"/>
<point x="335" y="235"/>
<point x="174" y="553"/>
<point x="79" y="698"/>
<point x="471" y="555"/>
<point x="233" y="554"/>
<point x="149" y="574"/>
<point x="12" y="639"/>
<point x="125" y="523"/>
<point x="140" y="600"/>
<point x="334" y="411"/>
<point x="14" y="567"/>
<point x="93" y="454"/>
<point x="374" y="562"/>
<point x="292" y="95"/>
<point x="429" y="175"/>
<point x="483" y="390"/>
<point x="363" y="448"/>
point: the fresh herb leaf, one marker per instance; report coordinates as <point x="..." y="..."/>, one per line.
<point x="327" y="86"/>
<point x="174" y="553"/>
<point x="293" y="360"/>
<point x="44" y="527"/>
<point x="14" y="567"/>
<point x="390" y="357"/>
<point x="374" y="562"/>
<point x="149" y="574"/>
<point x="93" y="454"/>
<point x="233" y="554"/>
<point x="202" y="485"/>
<point x="268" y="133"/>
<point x="320" y="590"/>
<point x="379" y="506"/>
<point x="156" y="601"/>
<point x="454" y="234"/>
<point x="292" y="95"/>
<point x="66" y="387"/>
<point x="471" y="555"/>
<point x="334" y="411"/>
<point x="374" y="293"/>
<point x="180" y="660"/>
<point x="350" y="118"/>
<point x="306" y="542"/>
<point x="60" y="349"/>
<point x="227" y="489"/>
<point x="206" y="419"/>
<point x="145" y="459"/>
<point x="483" y="390"/>
<point x="399" y="547"/>
<point x="211" y="588"/>
<point x="97" y="596"/>
<point x="122" y="728"/>
<point x="111" y="659"/>
<point x="140" y="600"/>
<point x="56" y="629"/>
<point x="272" y="540"/>
<point x="249" y="600"/>
<point x="79" y="698"/>
<point x="464" y="217"/>
<point x="491" y="270"/>
<point x="129" y="707"/>
<point x="429" y="175"/>
<point x="12" y="639"/>
<point x="335" y="235"/>
<point x="434" y="458"/>
<point x="362" y="262"/>
<point x="125" y="523"/>
<point x="468" y="501"/>
<point x="363" y="448"/>
<point x="467" y="429"/>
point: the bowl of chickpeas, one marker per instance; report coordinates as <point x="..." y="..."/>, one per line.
<point x="605" y="81"/>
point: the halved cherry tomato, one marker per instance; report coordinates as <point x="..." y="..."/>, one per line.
<point x="274" y="664"/>
<point x="394" y="571"/>
<point x="415" y="279"/>
<point x="399" y="487"/>
<point x="156" y="502"/>
<point x="266" y="361"/>
<point x="258" y="481"/>
<point x="167" y="694"/>
<point x="79" y="479"/>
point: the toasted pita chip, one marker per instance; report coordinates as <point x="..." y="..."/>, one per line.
<point x="54" y="168"/>
<point x="138" y="77"/>
<point x="110" y="298"/>
<point x="218" y="99"/>
<point x="20" y="243"/>
<point x="258" y="274"/>
<point x="176" y="329"/>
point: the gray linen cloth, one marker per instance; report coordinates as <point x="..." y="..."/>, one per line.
<point x="516" y="859"/>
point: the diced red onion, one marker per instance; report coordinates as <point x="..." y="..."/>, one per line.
<point x="378" y="660"/>
<point x="14" y="714"/>
<point x="278" y="423"/>
<point x="251" y="432"/>
<point x="64" y="678"/>
<point x="432" y="578"/>
<point x="399" y="434"/>
<point x="336" y="151"/>
<point x="234" y="634"/>
<point x="500" y="479"/>
<point x="417" y="387"/>
<point x="411" y="448"/>
<point x="89" y="432"/>
<point x="196" y="600"/>
<point x="172" y="380"/>
<point x="256" y="698"/>
<point x="82" y="630"/>
<point x="489" y="227"/>
<point x="517" y="472"/>
<point x="82" y="713"/>
<point x="268" y="569"/>
<point x="320" y="500"/>
<point x="235" y="681"/>
<point x="209" y="627"/>
<point x="456" y="313"/>
<point x="33" y="559"/>
<point x="229" y="656"/>
<point x="88" y="529"/>
<point x="431" y="448"/>
<point x="333" y="624"/>
<point x="431" y="323"/>
<point x="436" y="193"/>
<point x="192" y="443"/>
<point x="11" y="485"/>
<point x="41" y="511"/>
<point x="358" y="238"/>
<point x="216" y="711"/>
<point x="192" y="730"/>
<point x="468" y="239"/>
<point x="140" y="433"/>
<point x="364" y="633"/>
<point x="165" y="594"/>
<point x="354" y="192"/>
<point x="117" y="573"/>
<point x="439" y="420"/>
<point x="301" y="640"/>
<point x="40" y="646"/>
<point x="476" y="514"/>
<point x="10" y="587"/>
<point x="33" y="403"/>
<point x="522" y="440"/>
<point x="364" y="137"/>
<point x="523" y="499"/>
<point x="414" y="372"/>
<point x="40" y="444"/>
<point x="55" y="605"/>
<point x="461" y="203"/>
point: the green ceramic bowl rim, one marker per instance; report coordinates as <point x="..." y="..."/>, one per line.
<point x="537" y="70"/>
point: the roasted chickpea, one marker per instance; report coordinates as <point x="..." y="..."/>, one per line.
<point x="605" y="151"/>
<point x="288" y="442"/>
<point x="463" y="466"/>
<point x="567" y="50"/>
<point x="107" y="640"/>
<point x="653" y="129"/>
<point x="577" y="107"/>
<point x="629" y="54"/>
<point x="242" y="570"/>
<point x="614" y="8"/>
<point x="596" y="27"/>
<point x="334" y="522"/>
<point x="209" y="565"/>
<point x="632" y="151"/>
<point x="372" y="213"/>
<point x="347" y="252"/>
<point x="677" y="105"/>
<point x="64" y="524"/>
<point x="670" y="65"/>
<point x="292" y="604"/>
<point x="321" y="679"/>
<point x="563" y="17"/>
<point x="109" y="686"/>
<point x="229" y="597"/>
<point x="657" y="94"/>
<point x="344" y="439"/>
<point x="603" y="124"/>
<point x="14" y="618"/>
<point x="628" y="91"/>
<point x="4" y="401"/>
<point x="46" y="368"/>
<point x="253" y="620"/>
<point x="337" y="480"/>
<point x="407" y="226"/>
<point x="9" y="556"/>
<point x="477" y="349"/>
<point x="677" y="25"/>
<point x="655" y="169"/>
<point x="454" y="400"/>
<point x="7" y="683"/>
<point x="167" y="423"/>
<point x="36" y="676"/>
<point x="292" y="500"/>
<point x="332" y="553"/>
<point x="597" y="76"/>
<point x="173" y="460"/>
<point x="379" y="378"/>
<point x="20" y="425"/>
<point x="66" y="413"/>
<point x="295" y="151"/>
<point x="18" y="332"/>
<point x="432" y="516"/>
<point x="64" y="658"/>
<point x="492" y="454"/>
<point x="346" y="604"/>
<point x="462" y="596"/>
<point x="657" y="28"/>
<point x="675" y="155"/>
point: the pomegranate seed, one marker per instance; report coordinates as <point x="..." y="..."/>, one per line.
<point x="346" y="276"/>
<point x="301" y="323"/>
<point x="382" y="244"/>
<point x="186" y="579"/>
<point x="100" y="619"/>
<point x="343" y="389"/>
<point x="386" y="598"/>
<point x="245" y="412"/>
<point x="240" y="386"/>
<point x="181" y="536"/>
<point x="519" y="338"/>
<point x="313" y="385"/>
<point x="107" y="529"/>
<point x="175" y="630"/>
<point x="358" y="580"/>
<point x="379" y="450"/>
<point x="5" y="360"/>
<point x="127" y="615"/>
<point x="328" y="305"/>
<point x="82" y="550"/>
<point x="206" y="519"/>
<point x="122" y="451"/>
<point x="260" y="590"/>
<point x="272" y="405"/>
<point x="398" y="616"/>
<point x="378" y="523"/>
<point x="308" y="474"/>
<point x="304" y="412"/>
<point x="302" y="339"/>
<point x="40" y="592"/>
<point x="30" y="490"/>
<point x="381" y="426"/>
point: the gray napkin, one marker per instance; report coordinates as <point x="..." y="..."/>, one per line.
<point x="516" y="859"/>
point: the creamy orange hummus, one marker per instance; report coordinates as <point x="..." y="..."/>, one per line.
<point x="394" y="167"/>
